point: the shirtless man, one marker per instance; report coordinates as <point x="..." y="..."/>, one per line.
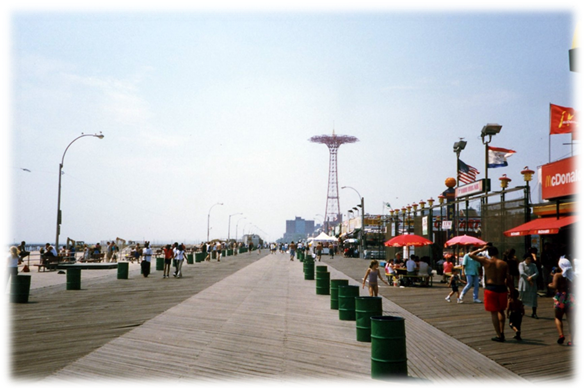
<point x="497" y="287"/>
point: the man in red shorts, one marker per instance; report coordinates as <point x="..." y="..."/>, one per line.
<point x="496" y="286"/>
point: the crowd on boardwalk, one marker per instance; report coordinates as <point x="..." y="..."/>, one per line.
<point x="509" y="285"/>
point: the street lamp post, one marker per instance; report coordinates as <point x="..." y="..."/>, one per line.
<point x="229" y="228"/>
<point x="487" y="133"/>
<point x="100" y="136"/>
<point x="243" y="230"/>
<point x="237" y="225"/>
<point x="527" y="173"/>
<point x="209" y="218"/>
<point x="362" y="232"/>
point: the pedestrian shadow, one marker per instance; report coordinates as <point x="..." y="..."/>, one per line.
<point x="528" y="342"/>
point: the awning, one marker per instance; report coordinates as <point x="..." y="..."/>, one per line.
<point x="541" y="226"/>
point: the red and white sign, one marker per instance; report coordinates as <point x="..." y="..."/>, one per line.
<point x="470" y="189"/>
<point x="559" y="178"/>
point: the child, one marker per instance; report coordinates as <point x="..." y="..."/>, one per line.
<point x="371" y="276"/>
<point x="515" y="312"/>
<point x="454" y="282"/>
<point x="389" y="271"/>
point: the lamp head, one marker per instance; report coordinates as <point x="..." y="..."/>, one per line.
<point x="490" y="129"/>
<point x="459" y="146"/>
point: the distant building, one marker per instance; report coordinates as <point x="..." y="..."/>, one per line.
<point x="298" y="229"/>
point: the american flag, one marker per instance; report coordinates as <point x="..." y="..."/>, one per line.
<point x="466" y="173"/>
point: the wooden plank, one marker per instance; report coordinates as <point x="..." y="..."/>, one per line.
<point x="470" y="324"/>
<point x="253" y="332"/>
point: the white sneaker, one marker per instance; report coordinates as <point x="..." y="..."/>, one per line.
<point x="459" y="300"/>
<point x="477" y="301"/>
<point x="447" y="299"/>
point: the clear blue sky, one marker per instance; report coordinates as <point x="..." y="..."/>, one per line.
<point x="202" y="107"/>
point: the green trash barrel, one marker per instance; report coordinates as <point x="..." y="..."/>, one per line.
<point x="321" y="268"/>
<point x="19" y="288"/>
<point x="123" y="268"/>
<point x="388" y="347"/>
<point x="323" y="282"/>
<point x="365" y="308"/>
<point x="74" y="279"/>
<point x="229" y="252"/>
<point x="335" y="283"/>
<point x="189" y="258"/>
<point x="223" y="253"/>
<point x="308" y="270"/>
<point x="200" y="256"/>
<point x="347" y="296"/>
<point x="160" y="264"/>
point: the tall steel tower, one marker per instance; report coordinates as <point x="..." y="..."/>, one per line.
<point x="333" y="210"/>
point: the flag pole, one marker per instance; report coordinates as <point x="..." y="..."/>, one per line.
<point x="550" y="136"/>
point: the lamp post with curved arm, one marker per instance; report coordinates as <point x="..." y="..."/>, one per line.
<point x="209" y="218"/>
<point x="236" y="227"/>
<point x="100" y="136"/>
<point x="229" y="228"/>
<point x="362" y="232"/>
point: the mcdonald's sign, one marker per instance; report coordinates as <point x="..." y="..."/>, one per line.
<point x="559" y="178"/>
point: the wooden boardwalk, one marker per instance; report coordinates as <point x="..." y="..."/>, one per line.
<point x="538" y="358"/>
<point x="262" y="321"/>
<point x="58" y="326"/>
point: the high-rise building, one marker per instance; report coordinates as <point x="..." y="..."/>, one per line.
<point x="298" y="229"/>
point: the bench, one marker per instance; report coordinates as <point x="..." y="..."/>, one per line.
<point x="49" y="263"/>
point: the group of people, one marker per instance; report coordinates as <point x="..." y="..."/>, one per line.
<point x="505" y="296"/>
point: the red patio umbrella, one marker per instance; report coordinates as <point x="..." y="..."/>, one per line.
<point x="408" y="240"/>
<point x="464" y="240"/>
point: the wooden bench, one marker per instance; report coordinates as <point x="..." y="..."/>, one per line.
<point x="48" y="263"/>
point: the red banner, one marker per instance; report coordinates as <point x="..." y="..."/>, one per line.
<point x="563" y="120"/>
<point x="559" y="178"/>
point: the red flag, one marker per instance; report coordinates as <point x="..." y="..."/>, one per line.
<point x="563" y="120"/>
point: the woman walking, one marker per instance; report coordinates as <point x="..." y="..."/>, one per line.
<point x="564" y="298"/>
<point x="147" y="257"/>
<point x="528" y="283"/>
<point x="168" y="256"/>
<point x="179" y="255"/>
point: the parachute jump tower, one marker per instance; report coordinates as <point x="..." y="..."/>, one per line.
<point x="333" y="142"/>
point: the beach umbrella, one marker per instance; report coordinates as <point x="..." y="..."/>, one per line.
<point x="408" y="240"/>
<point x="464" y="240"/>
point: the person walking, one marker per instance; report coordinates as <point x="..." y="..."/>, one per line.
<point x="562" y="283"/>
<point x="318" y="251"/>
<point x="168" y="256"/>
<point x="292" y="248"/>
<point x="146" y="259"/>
<point x="497" y="286"/>
<point x="371" y="277"/>
<point x="13" y="261"/>
<point x="453" y="284"/>
<point x="219" y="249"/>
<point x="179" y="256"/>
<point x="528" y="283"/>
<point x="471" y="271"/>
<point x="515" y="312"/>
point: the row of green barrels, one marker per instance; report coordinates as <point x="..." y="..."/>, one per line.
<point x="20" y="284"/>
<point x="386" y="333"/>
